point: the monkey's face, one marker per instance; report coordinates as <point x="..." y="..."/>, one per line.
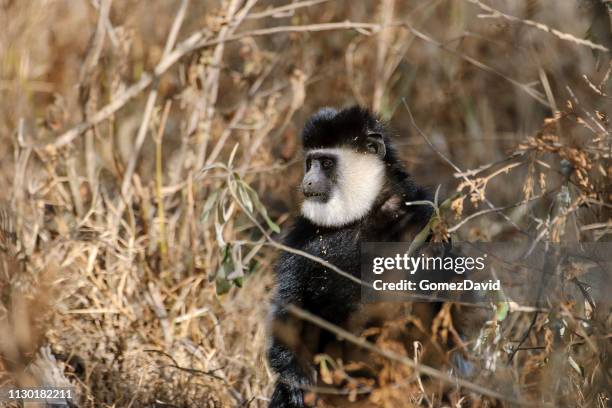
<point x="320" y="175"/>
<point x="341" y="184"/>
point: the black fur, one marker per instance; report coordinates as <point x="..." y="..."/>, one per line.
<point x="308" y="284"/>
<point x="330" y="128"/>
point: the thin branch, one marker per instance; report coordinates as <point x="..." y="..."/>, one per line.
<point x="492" y="210"/>
<point x="523" y="337"/>
<point x="189" y="370"/>
<point x="273" y="12"/>
<point x="363" y="28"/>
<point x="140" y="138"/>
<point x="526" y="88"/>
<point x="543" y="27"/>
<point x="176" y="27"/>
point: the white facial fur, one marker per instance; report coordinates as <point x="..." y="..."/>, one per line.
<point x="360" y="179"/>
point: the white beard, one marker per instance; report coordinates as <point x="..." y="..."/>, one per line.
<point x="360" y="180"/>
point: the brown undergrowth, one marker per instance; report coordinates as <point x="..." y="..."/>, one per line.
<point x="150" y="151"/>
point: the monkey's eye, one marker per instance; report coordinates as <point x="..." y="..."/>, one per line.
<point x="327" y="163"/>
<point x="372" y="147"/>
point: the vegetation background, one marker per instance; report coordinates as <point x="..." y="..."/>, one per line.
<point x="149" y="153"/>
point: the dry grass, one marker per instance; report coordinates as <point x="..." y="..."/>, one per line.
<point x="146" y="144"/>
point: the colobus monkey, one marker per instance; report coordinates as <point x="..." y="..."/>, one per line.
<point x="355" y="190"/>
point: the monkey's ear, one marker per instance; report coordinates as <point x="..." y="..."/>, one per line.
<point x="376" y="144"/>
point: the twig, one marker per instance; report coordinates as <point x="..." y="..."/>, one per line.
<point x="473" y="172"/>
<point x="596" y="225"/>
<point x="175" y="364"/>
<point x="176" y="27"/>
<point x="526" y="88"/>
<point x="492" y="210"/>
<point x="523" y="337"/>
<point x="284" y="9"/>
<point x="543" y="27"/>
<point x="547" y="271"/>
<point x="140" y="137"/>
<point x="97" y="42"/>
<point x="342" y="25"/>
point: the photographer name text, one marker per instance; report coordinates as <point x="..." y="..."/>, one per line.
<point x="426" y="285"/>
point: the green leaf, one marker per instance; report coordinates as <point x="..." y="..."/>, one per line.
<point x="219" y="230"/>
<point x="264" y="213"/>
<point x="446" y="204"/>
<point x="244" y="197"/>
<point x="260" y="207"/>
<point x="421" y="237"/>
<point x="225" y="206"/>
<point x="222" y="284"/>
<point x="238" y="267"/>
<point x="502" y="310"/>
<point x="227" y="275"/>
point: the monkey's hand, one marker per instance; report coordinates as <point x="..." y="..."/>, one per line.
<point x="292" y="381"/>
<point x="286" y="396"/>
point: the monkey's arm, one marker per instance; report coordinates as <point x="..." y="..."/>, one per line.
<point x="287" y="350"/>
<point x="284" y="360"/>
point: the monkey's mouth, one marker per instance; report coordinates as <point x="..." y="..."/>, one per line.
<point x="316" y="196"/>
